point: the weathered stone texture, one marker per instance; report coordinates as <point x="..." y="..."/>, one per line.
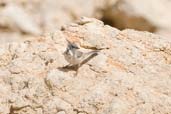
<point x="131" y="74"/>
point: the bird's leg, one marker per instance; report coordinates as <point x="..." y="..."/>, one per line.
<point x="71" y="66"/>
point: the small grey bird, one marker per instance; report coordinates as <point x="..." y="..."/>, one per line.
<point x="76" y="57"/>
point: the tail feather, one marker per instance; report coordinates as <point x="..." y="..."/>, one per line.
<point x="90" y="55"/>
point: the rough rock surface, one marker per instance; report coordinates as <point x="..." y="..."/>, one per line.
<point x="130" y="75"/>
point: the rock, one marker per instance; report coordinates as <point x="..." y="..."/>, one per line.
<point x="140" y="15"/>
<point x="131" y="73"/>
<point x="91" y="34"/>
<point x="15" y="17"/>
<point x="152" y="12"/>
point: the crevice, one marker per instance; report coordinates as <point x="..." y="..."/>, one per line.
<point x="115" y="16"/>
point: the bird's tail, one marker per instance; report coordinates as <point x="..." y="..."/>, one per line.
<point x="89" y="56"/>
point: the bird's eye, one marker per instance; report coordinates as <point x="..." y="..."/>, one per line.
<point x="73" y="46"/>
<point x="67" y="50"/>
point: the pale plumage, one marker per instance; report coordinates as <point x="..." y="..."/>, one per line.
<point x="76" y="57"/>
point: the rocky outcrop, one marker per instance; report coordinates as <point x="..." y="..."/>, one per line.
<point x="131" y="73"/>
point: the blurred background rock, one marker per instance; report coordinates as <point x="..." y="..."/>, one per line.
<point x="24" y="19"/>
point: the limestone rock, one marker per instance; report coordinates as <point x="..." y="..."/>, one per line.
<point x="131" y="73"/>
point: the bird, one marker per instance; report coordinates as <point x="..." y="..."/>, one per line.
<point x="75" y="57"/>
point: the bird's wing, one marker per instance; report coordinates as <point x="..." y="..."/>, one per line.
<point x="79" y="54"/>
